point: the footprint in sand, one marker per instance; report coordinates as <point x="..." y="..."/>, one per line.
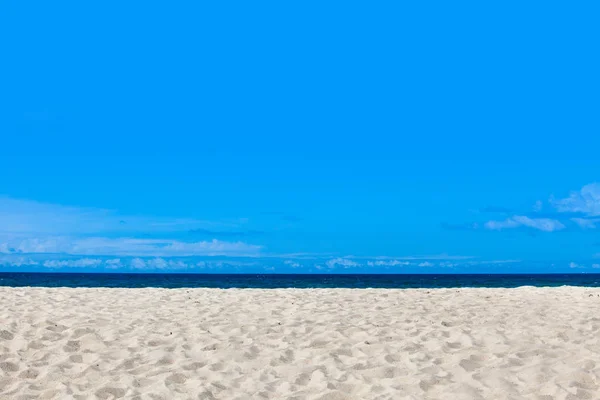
<point x="9" y="367"/>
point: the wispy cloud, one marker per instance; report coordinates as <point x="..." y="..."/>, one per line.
<point x="19" y="261"/>
<point x="542" y="224"/>
<point x="442" y="256"/>
<point x="292" y="263"/>
<point x="28" y="227"/>
<point x="124" y="246"/>
<point x="135" y="264"/>
<point x="586" y="200"/>
<point x="113" y="263"/>
<point x="81" y="263"/>
<point x="343" y="262"/>
<point x="578" y="211"/>
<point x="499" y="225"/>
<point x="260" y="265"/>
<point x="387" y="263"/>
<point x="574" y="265"/>
<point x="163" y="264"/>
<point x="586" y="223"/>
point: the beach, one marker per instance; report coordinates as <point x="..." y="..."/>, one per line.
<point x="329" y="344"/>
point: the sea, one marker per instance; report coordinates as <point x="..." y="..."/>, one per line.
<point x="272" y="281"/>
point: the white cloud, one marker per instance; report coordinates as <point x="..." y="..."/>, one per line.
<point x="157" y="263"/>
<point x="160" y="263"/>
<point x="387" y="263"/>
<point x="291" y="263"/>
<point x="595" y="266"/>
<point x="442" y="256"/>
<point x="448" y="264"/>
<point x="343" y="262"/>
<point x="426" y="264"/>
<point x="12" y="261"/>
<point x="28" y="227"/>
<point x="178" y="264"/>
<point x="499" y="262"/>
<point x="542" y="224"/>
<point x="585" y="223"/>
<point x="124" y="246"/>
<point x="138" y="263"/>
<point x="586" y="201"/>
<point x="574" y="265"/>
<point x="80" y="263"/>
<point x="499" y="225"/>
<point x="114" y="263"/>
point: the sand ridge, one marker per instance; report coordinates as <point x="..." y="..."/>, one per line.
<point x="330" y="344"/>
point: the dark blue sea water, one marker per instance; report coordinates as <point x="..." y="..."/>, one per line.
<point x="293" y="281"/>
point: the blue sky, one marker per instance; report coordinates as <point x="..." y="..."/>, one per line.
<point x="312" y="137"/>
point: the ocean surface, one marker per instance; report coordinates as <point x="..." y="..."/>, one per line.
<point x="293" y="281"/>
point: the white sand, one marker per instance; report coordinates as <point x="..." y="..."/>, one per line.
<point x="524" y="343"/>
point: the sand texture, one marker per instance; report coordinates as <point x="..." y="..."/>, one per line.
<point x="525" y="343"/>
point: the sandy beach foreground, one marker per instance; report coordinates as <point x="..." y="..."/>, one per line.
<point x="525" y="343"/>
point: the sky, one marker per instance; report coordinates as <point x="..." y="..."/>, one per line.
<point x="306" y="137"/>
